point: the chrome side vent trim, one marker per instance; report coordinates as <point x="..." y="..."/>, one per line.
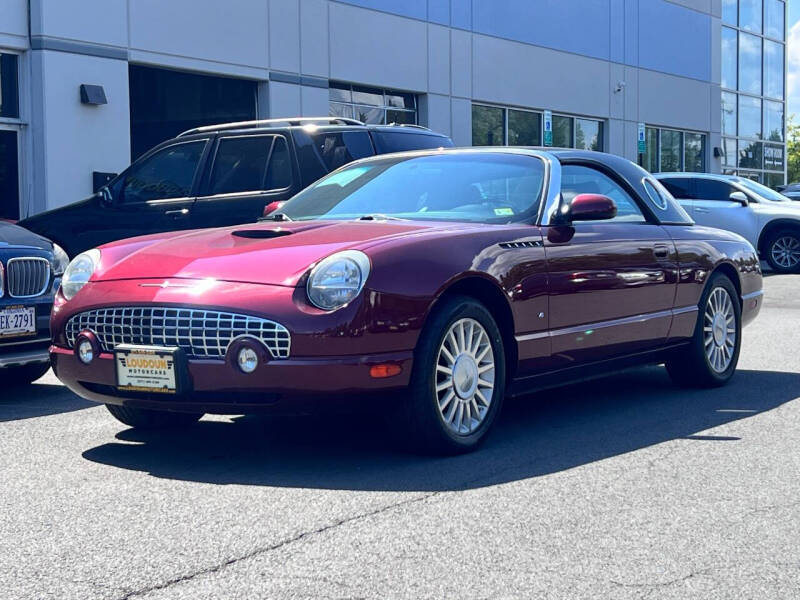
<point x="525" y="244"/>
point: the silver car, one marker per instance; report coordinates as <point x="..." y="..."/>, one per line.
<point x="768" y="220"/>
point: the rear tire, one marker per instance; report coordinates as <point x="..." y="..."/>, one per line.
<point x="458" y="383"/>
<point x="713" y="353"/>
<point x="142" y="418"/>
<point x="25" y="374"/>
<point x="782" y="251"/>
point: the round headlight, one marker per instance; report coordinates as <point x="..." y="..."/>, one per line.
<point x="338" y="279"/>
<point x="78" y="273"/>
<point x="60" y="260"/>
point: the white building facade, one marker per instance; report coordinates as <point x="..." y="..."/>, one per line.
<point x="88" y="85"/>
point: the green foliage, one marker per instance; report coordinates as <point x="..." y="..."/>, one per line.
<point x="792" y="150"/>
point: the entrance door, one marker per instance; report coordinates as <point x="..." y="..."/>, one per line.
<point x="9" y="175"/>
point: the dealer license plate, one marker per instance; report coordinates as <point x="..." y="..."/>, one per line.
<point x="146" y="369"/>
<point x="17" y="321"/>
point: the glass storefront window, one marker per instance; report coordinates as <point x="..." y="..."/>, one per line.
<point x="750" y="15"/>
<point x="774" y="19"/>
<point x="651" y="155"/>
<point x="729" y="50"/>
<point x="524" y="128"/>
<point x="487" y="125"/>
<point x="371" y="105"/>
<point x="163" y="103"/>
<point x="730" y="12"/>
<point x="773" y="157"/>
<point x="729" y="113"/>
<point x="729" y="152"/>
<point x="749" y="63"/>
<point x="750" y="155"/>
<point x="9" y="176"/>
<point x="773" y="69"/>
<point x="9" y="86"/>
<point x="773" y="180"/>
<point x="671" y="143"/>
<point x="588" y="134"/>
<point x="773" y="121"/>
<point x="694" y="153"/>
<point x="562" y="132"/>
<point x="750" y="117"/>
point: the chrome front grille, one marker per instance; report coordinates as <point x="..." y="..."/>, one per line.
<point x="27" y="277"/>
<point x="200" y="333"/>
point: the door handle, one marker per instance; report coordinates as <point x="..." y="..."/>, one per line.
<point x="700" y="209"/>
<point x="177" y="214"/>
<point x="661" y="252"/>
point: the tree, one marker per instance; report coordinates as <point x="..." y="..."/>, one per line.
<point x="792" y="150"/>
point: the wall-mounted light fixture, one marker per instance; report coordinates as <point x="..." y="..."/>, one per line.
<point x="718" y="153"/>
<point x="94" y="95"/>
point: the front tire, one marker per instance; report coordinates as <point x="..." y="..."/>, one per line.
<point x="459" y="378"/>
<point x="713" y="353"/>
<point x="141" y="418"/>
<point x="25" y="375"/>
<point x="783" y="251"/>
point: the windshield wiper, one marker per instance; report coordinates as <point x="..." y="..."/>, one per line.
<point x="275" y="217"/>
<point x="379" y="217"/>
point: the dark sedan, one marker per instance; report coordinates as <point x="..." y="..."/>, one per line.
<point x="30" y="272"/>
<point x="451" y="277"/>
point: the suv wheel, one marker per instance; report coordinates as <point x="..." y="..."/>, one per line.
<point x="783" y="251"/>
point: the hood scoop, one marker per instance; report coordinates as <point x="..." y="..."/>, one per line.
<point x="261" y="234"/>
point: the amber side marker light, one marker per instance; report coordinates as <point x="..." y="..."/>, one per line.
<point x="383" y="371"/>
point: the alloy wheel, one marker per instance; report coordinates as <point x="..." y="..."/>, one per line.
<point x="719" y="329"/>
<point x="785" y="251"/>
<point x="465" y="376"/>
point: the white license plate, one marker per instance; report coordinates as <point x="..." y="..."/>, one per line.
<point x="146" y="369"/>
<point x="17" y="321"/>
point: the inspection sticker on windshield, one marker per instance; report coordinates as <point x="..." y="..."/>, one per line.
<point x="504" y="212"/>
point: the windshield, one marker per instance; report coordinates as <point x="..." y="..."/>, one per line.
<point x="481" y="188"/>
<point x="763" y="190"/>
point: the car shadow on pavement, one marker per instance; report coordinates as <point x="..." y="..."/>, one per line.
<point x="38" y="400"/>
<point x="545" y="433"/>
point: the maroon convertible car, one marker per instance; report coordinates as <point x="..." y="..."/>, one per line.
<point x="451" y="278"/>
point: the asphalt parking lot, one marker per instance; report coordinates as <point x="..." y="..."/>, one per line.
<point x="626" y="487"/>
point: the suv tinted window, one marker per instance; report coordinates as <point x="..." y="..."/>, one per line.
<point x="577" y="179"/>
<point x="338" y="148"/>
<point x="711" y="189"/>
<point x="279" y="175"/>
<point x="679" y="187"/>
<point x="240" y="164"/>
<point x="398" y="141"/>
<point x="168" y="173"/>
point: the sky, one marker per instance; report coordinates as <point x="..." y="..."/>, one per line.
<point x="793" y="93"/>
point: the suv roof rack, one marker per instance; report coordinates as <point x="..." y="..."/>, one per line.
<point x="290" y="121"/>
<point x="411" y="125"/>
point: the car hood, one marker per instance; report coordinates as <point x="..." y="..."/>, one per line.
<point x="14" y="236"/>
<point x="265" y="253"/>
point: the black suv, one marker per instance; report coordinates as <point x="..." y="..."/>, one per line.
<point x="221" y="175"/>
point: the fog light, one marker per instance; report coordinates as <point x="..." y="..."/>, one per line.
<point x="85" y="351"/>
<point x="248" y="360"/>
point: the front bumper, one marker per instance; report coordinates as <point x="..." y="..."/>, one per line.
<point x="218" y="387"/>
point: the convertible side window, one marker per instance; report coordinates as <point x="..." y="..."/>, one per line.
<point x="168" y="173"/>
<point x="578" y="179"/>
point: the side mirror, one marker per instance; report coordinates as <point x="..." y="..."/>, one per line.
<point x="588" y="207"/>
<point x="106" y="199"/>
<point x="740" y="197"/>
